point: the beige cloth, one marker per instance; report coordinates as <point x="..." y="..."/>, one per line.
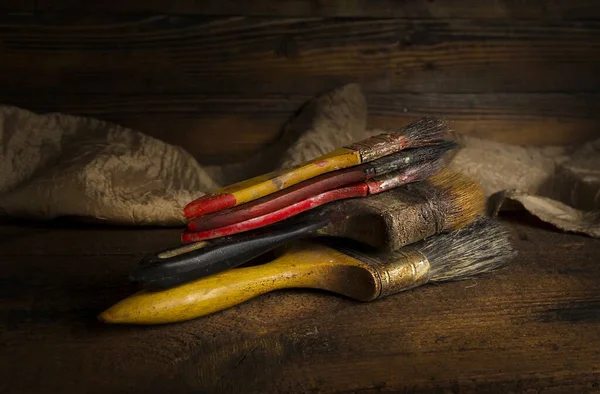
<point x="58" y="165"/>
<point x="560" y="185"/>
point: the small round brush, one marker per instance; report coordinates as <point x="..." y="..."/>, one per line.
<point x="426" y="131"/>
<point x="310" y="189"/>
<point x="414" y="173"/>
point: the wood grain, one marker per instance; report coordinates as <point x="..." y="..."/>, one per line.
<point x="240" y="125"/>
<point x="17" y="5"/>
<point x="533" y="9"/>
<point x="63" y="238"/>
<point x="239" y="79"/>
<point x="179" y="54"/>
<point x="532" y="326"/>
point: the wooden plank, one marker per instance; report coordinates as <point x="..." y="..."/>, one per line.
<point x="531" y="119"/>
<point x="218" y="128"/>
<point x="17" y="6"/>
<point x="533" y="9"/>
<point x="175" y="54"/>
<point x="213" y="128"/>
<point x="236" y="81"/>
<point x="539" y="318"/>
<point x="63" y="238"/>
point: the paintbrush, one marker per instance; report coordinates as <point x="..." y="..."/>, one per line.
<point x="307" y="191"/>
<point x="376" y="185"/>
<point x="444" y="202"/>
<point x="364" y="276"/>
<point x="423" y="132"/>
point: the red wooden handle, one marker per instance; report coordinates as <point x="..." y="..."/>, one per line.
<point x="356" y="190"/>
<point x="279" y="200"/>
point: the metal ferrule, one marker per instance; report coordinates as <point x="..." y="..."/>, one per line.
<point x="410" y="269"/>
<point x="379" y="146"/>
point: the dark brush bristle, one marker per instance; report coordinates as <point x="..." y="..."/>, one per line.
<point x="409" y="157"/>
<point x="425" y="169"/>
<point x="413" y="173"/>
<point x="426" y="131"/>
<point x="432" y="152"/>
<point x="478" y="248"/>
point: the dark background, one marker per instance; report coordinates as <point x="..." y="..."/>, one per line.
<point x="221" y="77"/>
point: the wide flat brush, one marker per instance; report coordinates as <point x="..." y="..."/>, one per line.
<point x="376" y="185"/>
<point x="444" y="202"/>
<point x="423" y="132"/>
<point x="311" y="188"/>
<point x="479" y="248"/>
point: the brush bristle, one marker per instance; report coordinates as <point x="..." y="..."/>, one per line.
<point x="425" y="131"/>
<point x="411" y="157"/>
<point x="464" y="198"/>
<point x="406" y="214"/>
<point x="432" y="152"/>
<point x="482" y="247"/>
<point x="425" y="170"/>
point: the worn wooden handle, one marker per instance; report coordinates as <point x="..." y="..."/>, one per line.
<point x="267" y="184"/>
<point x="351" y="191"/>
<point x="282" y="199"/>
<point x="162" y="272"/>
<point x="312" y="187"/>
<point x="376" y="185"/>
<point x="303" y="265"/>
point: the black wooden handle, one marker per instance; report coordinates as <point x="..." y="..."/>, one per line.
<point x="181" y="266"/>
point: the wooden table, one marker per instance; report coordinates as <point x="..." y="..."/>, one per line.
<point x="532" y="326"/>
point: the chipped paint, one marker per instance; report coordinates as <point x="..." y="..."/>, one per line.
<point x="355" y="190"/>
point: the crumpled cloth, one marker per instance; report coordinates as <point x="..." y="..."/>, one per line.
<point x="59" y="165"/>
<point x="559" y="185"/>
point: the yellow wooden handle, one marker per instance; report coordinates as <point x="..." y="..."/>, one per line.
<point x="303" y="265"/>
<point x="266" y="184"/>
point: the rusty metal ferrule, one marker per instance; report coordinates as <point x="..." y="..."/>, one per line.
<point x="410" y="269"/>
<point x="379" y="146"/>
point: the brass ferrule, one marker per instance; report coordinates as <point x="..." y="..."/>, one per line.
<point x="409" y="269"/>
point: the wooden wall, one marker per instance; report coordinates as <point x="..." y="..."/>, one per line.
<point x="221" y="77"/>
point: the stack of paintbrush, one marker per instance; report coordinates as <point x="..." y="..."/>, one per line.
<point x="418" y="222"/>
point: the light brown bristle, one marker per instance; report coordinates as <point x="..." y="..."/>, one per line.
<point x="390" y="220"/>
<point x="465" y="198"/>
